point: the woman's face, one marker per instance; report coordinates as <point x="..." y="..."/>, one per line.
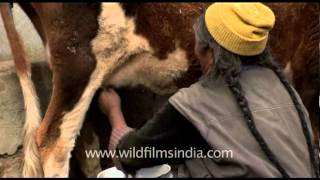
<point x="204" y="55"/>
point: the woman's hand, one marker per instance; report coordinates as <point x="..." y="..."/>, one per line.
<point x="109" y="101"/>
<point x="110" y="104"/>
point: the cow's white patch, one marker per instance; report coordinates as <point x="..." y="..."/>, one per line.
<point x="32" y="165"/>
<point x="115" y="45"/>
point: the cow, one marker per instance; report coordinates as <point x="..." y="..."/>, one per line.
<point x="92" y="45"/>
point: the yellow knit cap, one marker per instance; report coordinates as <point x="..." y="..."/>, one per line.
<point x="241" y="28"/>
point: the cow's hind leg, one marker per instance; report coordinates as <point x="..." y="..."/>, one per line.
<point x="86" y="145"/>
<point x="33" y="117"/>
<point x="56" y="156"/>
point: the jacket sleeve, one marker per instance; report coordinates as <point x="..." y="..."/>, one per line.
<point x="167" y="131"/>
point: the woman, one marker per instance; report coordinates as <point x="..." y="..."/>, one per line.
<point x="242" y="103"/>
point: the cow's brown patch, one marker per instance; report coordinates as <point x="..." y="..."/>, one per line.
<point x="165" y="25"/>
<point x="305" y="68"/>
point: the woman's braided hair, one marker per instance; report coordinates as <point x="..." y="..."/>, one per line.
<point x="228" y="66"/>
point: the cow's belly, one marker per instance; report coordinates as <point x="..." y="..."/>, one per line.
<point x="147" y="70"/>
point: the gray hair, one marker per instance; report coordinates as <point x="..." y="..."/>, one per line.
<point x="204" y="38"/>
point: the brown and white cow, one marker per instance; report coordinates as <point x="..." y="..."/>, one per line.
<point x="91" y="45"/>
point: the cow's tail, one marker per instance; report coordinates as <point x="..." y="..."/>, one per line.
<point x="32" y="164"/>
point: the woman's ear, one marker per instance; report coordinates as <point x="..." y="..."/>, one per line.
<point x="210" y="56"/>
<point x="209" y="60"/>
<point x="205" y="59"/>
